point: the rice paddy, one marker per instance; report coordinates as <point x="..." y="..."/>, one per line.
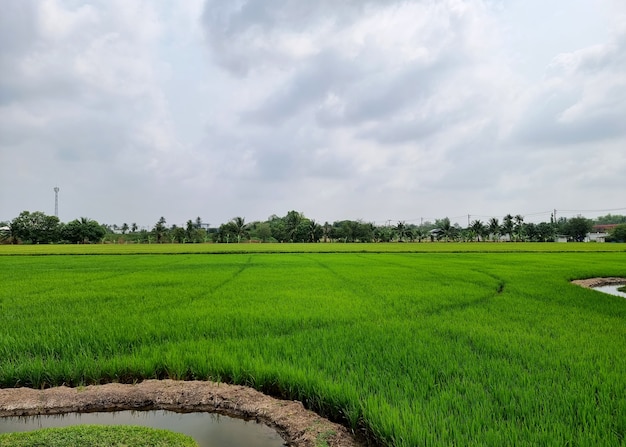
<point x="464" y="344"/>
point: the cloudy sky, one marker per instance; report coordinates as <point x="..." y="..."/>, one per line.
<point x="351" y="109"/>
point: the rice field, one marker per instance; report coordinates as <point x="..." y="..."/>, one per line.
<point x="464" y="344"/>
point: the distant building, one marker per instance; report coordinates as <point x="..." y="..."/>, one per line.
<point x="599" y="233"/>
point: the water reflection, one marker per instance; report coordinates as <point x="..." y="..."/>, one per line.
<point x="611" y="290"/>
<point x="208" y="429"/>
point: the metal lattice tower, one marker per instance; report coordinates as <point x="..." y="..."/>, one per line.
<point x="56" y="201"/>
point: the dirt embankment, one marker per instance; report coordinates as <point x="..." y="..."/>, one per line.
<point x="298" y="426"/>
<point x="599" y="282"/>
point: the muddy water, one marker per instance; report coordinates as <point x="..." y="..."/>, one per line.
<point x="611" y="290"/>
<point x="208" y="429"/>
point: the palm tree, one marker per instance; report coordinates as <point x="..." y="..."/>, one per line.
<point x="292" y="222"/>
<point x="446" y="229"/>
<point x="326" y="229"/>
<point x="314" y="231"/>
<point x="507" y="226"/>
<point x="478" y="228"/>
<point x="419" y="233"/>
<point x="494" y="228"/>
<point x="240" y="228"/>
<point x="401" y="231"/>
<point x="160" y="229"/>
<point x="519" y="227"/>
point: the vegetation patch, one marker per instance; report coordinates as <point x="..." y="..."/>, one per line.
<point x="431" y="348"/>
<point x="97" y="436"/>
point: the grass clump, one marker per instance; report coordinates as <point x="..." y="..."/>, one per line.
<point x="97" y="436"/>
<point x="622" y="289"/>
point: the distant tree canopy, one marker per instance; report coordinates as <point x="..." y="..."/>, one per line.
<point x="577" y="228"/>
<point x="35" y="228"/>
<point x="39" y="228"/>
<point x="82" y="231"/>
<point x="618" y="234"/>
<point x="610" y="219"/>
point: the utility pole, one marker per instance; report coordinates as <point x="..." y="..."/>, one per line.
<point x="56" y="201"/>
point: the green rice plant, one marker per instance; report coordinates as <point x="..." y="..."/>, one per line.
<point x="437" y="348"/>
<point x="335" y="247"/>
<point x="97" y="436"/>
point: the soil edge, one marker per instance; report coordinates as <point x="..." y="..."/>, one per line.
<point x="590" y="283"/>
<point x="298" y="426"/>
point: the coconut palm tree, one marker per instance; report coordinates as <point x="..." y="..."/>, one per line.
<point x="160" y="230"/>
<point x="508" y="226"/>
<point x="401" y="231"/>
<point x="446" y="230"/>
<point x="478" y="229"/>
<point x="314" y="231"/>
<point x="240" y="228"/>
<point x="326" y="229"/>
<point x="494" y="228"/>
<point x="519" y="227"/>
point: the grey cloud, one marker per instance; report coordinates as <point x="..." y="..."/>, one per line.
<point x="371" y="87"/>
<point x="241" y="32"/>
<point x="321" y="74"/>
<point x="582" y="99"/>
<point x="17" y="28"/>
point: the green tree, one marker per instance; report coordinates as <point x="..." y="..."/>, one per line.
<point x="418" y="232"/>
<point x="293" y="220"/>
<point x="177" y="234"/>
<point x="545" y="232"/>
<point x="508" y="227"/>
<point x="618" y="233"/>
<point x="277" y="226"/>
<point x="518" y="228"/>
<point x="314" y="231"/>
<point x="192" y="232"/>
<point x="160" y="230"/>
<point x="494" y="228"/>
<point x="445" y="229"/>
<point x="263" y="231"/>
<point x="124" y="228"/>
<point x="577" y="228"/>
<point x="36" y="228"/>
<point x="401" y="231"/>
<point x="326" y="230"/>
<point x="610" y="219"/>
<point x="83" y="231"/>
<point x="239" y="228"/>
<point x="478" y="229"/>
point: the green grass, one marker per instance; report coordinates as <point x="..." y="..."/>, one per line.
<point x="97" y="436"/>
<point x="440" y="348"/>
<point x="409" y="247"/>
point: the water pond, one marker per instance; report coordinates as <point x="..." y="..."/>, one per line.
<point x="208" y="429"/>
<point x="611" y="290"/>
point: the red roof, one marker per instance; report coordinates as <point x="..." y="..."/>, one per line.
<point x="603" y="227"/>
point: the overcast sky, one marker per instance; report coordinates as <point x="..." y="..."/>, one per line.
<point x="375" y="110"/>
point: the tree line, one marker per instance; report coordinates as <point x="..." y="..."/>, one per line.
<point x="39" y="228"/>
